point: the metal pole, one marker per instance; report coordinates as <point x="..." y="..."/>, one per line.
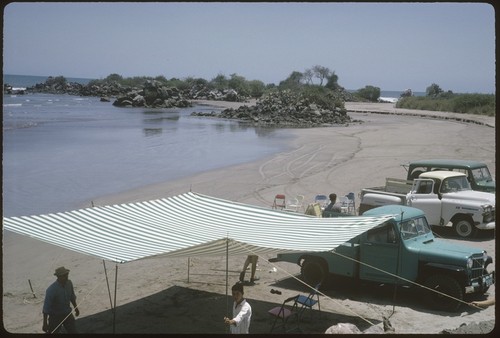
<point x="107" y="283"/>
<point x="227" y="282"/>
<point x="114" y="312"/>
<point x="189" y="263"/>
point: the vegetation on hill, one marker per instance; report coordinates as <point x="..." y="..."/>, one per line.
<point x="437" y="99"/>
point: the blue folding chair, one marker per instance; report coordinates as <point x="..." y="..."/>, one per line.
<point x="309" y="301"/>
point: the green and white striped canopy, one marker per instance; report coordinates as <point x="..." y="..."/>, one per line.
<point x="188" y="225"/>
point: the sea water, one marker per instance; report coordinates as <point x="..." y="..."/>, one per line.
<point x="62" y="150"/>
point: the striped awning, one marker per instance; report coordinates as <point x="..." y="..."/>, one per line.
<point x="188" y="225"/>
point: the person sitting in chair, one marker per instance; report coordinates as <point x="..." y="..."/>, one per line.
<point x="332" y="206"/>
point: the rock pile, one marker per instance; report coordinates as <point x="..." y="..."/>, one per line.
<point x="153" y="95"/>
<point x="285" y="109"/>
<point x="205" y="93"/>
<point x="58" y="85"/>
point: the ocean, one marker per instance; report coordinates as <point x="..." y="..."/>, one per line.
<point x="60" y="151"/>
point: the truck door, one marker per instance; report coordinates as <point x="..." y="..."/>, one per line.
<point x="379" y="254"/>
<point x="424" y="196"/>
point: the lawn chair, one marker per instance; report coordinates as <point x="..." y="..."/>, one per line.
<point x="349" y="204"/>
<point x="279" y="202"/>
<point x="287" y="315"/>
<point x="322" y="200"/>
<point x="295" y="204"/>
<point x="308" y="302"/>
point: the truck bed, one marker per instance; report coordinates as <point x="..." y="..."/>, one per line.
<point x="392" y="186"/>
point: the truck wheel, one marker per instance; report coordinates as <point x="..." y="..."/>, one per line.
<point x="445" y="286"/>
<point x="464" y="228"/>
<point x="313" y="271"/>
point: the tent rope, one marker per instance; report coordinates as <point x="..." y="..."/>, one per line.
<point x="357" y="261"/>
<point x="309" y="286"/>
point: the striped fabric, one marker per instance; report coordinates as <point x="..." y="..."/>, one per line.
<point x="187" y="225"/>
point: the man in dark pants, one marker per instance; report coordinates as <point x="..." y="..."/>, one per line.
<point x="57" y="311"/>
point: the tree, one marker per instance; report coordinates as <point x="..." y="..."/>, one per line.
<point x="114" y="77"/>
<point x="321" y="73"/>
<point x="433" y="90"/>
<point x="307" y="76"/>
<point x="220" y="82"/>
<point x="332" y="82"/>
<point x="370" y="93"/>
<point x="256" y="88"/>
<point x="292" y="81"/>
<point x="238" y="83"/>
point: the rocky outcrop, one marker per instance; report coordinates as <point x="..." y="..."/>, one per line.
<point x="205" y="93"/>
<point x="59" y="85"/>
<point x="153" y="95"/>
<point x="285" y="109"/>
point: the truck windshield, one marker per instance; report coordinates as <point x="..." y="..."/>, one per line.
<point x="453" y="184"/>
<point x="481" y="175"/>
<point x="414" y="227"/>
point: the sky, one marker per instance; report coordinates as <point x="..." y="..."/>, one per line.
<point x="393" y="46"/>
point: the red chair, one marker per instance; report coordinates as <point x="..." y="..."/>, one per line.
<point x="279" y="202"/>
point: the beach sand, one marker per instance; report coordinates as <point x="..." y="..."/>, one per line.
<point x="189" y="296"/>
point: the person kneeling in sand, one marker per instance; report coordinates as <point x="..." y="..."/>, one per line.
<point x="242" y="311"/>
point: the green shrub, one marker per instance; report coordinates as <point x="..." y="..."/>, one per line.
<point x="480" y="104"/>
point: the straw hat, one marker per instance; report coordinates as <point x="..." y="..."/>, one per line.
<point x="61" y="271"/>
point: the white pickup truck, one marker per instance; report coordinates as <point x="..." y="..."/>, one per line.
<point x="446" y="198"/>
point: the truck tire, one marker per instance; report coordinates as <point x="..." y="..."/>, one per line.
<point x="464" y="227"/>
<point x="313" y="271"/>
<point x="445" y="286"/>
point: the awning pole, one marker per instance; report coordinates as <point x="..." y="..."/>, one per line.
<point x="114" y="312"/>
<point x="107" y="283"/>
<point x="227" y="281"/>
<point x="189" y="263"/>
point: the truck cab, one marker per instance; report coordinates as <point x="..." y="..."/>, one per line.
<point x="402" y="251"/>
<point x="477" y="173"/>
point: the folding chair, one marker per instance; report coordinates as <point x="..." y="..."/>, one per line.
<point x="307" y="302"/>
<point x="295" y="204"/>
<point x="286" y="314"/>
<point x="279" y="202"/>
<point x="322" y="200"/>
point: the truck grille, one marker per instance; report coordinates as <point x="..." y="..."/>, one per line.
<point x="478" y="265"/>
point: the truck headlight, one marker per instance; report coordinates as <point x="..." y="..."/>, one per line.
<point x="488" y="214"/>
<point x="470" y="263"/>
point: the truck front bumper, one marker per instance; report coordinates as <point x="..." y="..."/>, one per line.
<point x="481" y="284"/>
<point x="486" y="226"/>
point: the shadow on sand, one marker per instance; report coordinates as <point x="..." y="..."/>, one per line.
<point x="183" y="310"/>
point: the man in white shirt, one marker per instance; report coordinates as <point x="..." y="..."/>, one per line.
<point x="242" y="311"/>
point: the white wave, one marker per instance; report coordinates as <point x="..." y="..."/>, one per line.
<point x="387" y="99"/>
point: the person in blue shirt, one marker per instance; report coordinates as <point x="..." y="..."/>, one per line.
<point x="57" y="311"/>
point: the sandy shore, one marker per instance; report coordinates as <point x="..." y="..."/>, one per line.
<point x="158" y="296"/>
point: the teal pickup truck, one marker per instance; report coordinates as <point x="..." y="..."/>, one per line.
<point x="403" y="251"/>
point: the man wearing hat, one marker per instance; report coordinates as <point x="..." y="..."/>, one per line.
<point x="56" y="307"/>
